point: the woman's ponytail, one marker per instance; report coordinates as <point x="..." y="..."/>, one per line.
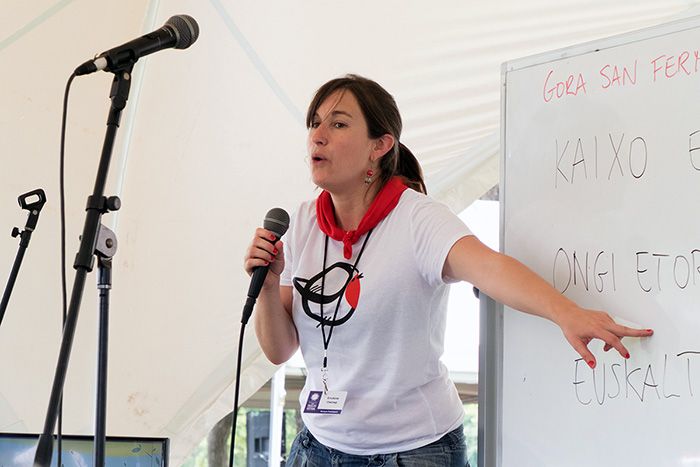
<point x="409" y="170"/>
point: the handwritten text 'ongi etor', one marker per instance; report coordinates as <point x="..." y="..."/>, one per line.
<point x="597" y="271"/>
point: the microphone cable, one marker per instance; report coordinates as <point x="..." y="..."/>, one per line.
<point x="277" y="222"/>
<point x="62" y="216"/>
<point x="235" y="393"/>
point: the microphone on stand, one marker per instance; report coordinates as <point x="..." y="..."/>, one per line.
<point x="179" y="32"/>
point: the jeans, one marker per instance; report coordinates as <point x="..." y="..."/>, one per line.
<point x="448" y="451"/>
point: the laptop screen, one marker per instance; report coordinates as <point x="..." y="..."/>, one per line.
<point x="18" y="450"/>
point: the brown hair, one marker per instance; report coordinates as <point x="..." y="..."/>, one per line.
<point x="382" y="115"/>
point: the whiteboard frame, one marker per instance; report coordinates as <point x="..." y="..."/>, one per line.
<point x="491" y="377"/>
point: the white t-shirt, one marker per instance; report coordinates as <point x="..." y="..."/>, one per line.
<point x="386" y="346"/>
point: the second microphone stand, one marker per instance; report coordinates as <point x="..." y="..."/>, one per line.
<point x="32" y="202"/>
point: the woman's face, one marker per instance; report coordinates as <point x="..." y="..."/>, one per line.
<point x="338" y="144"/>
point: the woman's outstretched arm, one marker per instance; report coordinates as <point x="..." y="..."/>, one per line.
<point x="508" y="281"/>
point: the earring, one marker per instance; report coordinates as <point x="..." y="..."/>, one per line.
<point x="370" y="172"/>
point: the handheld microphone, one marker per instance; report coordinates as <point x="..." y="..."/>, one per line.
<point x="179" y="31"/>
<point x="277" y="222"/>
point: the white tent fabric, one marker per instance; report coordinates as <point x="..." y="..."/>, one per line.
<point x="213" y="137"/>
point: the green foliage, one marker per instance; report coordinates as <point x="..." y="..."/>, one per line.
<point x="199" y="457"/>
<point x="471" y="431"/>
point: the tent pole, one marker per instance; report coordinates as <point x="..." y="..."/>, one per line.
<point x="277" y="399"/>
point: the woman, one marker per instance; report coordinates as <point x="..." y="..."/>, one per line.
<point x="362" y="289"/>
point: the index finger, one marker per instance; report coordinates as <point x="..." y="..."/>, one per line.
<point x="615" y="340"/>
<point x="630" y="332"/>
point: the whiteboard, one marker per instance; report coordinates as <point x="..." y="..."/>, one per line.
<point x="600" y="195"/>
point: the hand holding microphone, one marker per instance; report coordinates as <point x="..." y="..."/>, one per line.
<point x="263" y="249"/>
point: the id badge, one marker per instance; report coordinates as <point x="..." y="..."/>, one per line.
<point x="331" y="402"/>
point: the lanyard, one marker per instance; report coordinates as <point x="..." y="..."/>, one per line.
<point x="327" y="339"/>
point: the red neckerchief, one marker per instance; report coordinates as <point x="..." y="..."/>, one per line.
<point x="386" y="200"/>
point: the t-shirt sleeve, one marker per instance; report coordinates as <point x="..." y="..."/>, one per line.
<point x="289" y="241"/>
<point x="435" y="229"/>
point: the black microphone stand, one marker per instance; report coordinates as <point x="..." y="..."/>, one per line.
<point x="95" y="240"/>
<point x="33" y="202"/>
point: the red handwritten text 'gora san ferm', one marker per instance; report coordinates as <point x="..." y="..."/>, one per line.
<point x="611" y="75"/>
